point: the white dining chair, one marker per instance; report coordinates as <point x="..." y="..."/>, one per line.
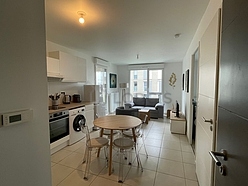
<point x="139" y="132"/>
<point x="92" y="143"/>
<point x="123" y="144"/>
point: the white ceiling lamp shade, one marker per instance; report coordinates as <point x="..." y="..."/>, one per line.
<point x="123" y="86"/>
<point x="81" y="14"/>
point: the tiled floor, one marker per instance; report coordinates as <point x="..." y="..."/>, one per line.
<point x="171" y="162"/>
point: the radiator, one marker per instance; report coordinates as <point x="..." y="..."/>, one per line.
<point x="113" y="102"/>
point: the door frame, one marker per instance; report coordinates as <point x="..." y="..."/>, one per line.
<point x="218" y="58"/>
<point x="190" y="120"/>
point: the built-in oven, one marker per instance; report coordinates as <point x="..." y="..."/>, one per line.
<point x="59" y="125"/>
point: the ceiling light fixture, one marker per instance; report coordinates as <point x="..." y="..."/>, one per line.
<point x="81" y="19"/>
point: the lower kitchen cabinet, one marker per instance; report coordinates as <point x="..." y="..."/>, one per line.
<point x="89" y="115"/>
<point x="177" y="124"/>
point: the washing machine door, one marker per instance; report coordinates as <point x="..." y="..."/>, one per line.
<point x="76" y="123"/>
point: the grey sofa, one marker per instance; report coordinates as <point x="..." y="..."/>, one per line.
<point x="130" y="111"/>
<point x="152" y="104"/>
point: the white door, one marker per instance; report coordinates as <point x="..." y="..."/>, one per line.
<point x="232" y="130"/>
<point x="208" y="89"/>
<point x="101" y="80"/>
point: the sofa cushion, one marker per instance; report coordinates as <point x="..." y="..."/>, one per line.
<point x="138" y="107"/>
<point x="139" y="101"/>
<point x="150" y="108"/>
<point x="151" y="102"/>
<point x="130" y="112"/>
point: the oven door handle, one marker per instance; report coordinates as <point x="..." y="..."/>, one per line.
<point x="56" y="120"/>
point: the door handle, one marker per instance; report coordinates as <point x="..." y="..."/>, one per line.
<point x="214" y="155"/>
<point x="207" y="120"/>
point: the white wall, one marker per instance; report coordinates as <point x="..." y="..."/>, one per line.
<point x="212" y="8"/>
<point x="24" y="148"/>
<point x="172" y="94"/>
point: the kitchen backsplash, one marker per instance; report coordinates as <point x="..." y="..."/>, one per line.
<point x="68" y="88"/>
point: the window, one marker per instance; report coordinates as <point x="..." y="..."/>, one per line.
<point x="135" y="86"/>
<point x="135" y="76"/>
<point x="145" y="86"/>
<point x="146" y="83"/>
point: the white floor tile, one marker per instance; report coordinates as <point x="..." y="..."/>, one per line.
<point x="171" y="167"/>
<point x="59" y="173"/>
<point x="173" y="145"/>
<point x="168" y="180"/>
<point x="135" y="177"/>
<point x="60" y="155"/>
<point x="186" y="147"/>
<point x="103" y="181"/>
<point x="151" y="151"/>
<point x="171" y="137"/>
<point x="115" y="174"/>
<point x="96" y="165"/>
<point x="188" y="157"/>
<point x="73" y="160"/>
<point x="153" y="142"/>
<point x="155" y="135"/>
<point x="189" y="171"/>
<point x="150" y="163"/>
<point x="183" y="138"/>
<point x="169" y="154"/>
<point x="76" y="178"/>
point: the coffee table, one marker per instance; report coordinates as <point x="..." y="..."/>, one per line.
<point x="142" y="113"/>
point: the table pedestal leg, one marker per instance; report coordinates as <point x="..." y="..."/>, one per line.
<point x="134" y="135"/>
<point x="101" y="134"/>
<point x="110" y="152"/>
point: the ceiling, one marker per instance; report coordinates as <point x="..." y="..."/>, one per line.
<point x="125" y="31"/>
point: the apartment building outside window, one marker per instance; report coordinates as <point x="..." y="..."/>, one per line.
<point x="146" y="83"/>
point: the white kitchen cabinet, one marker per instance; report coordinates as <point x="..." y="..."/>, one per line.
<point x="53" y="69"/>
<point x="89" y="115"/>
<point x="177" y="124"/>
<point x="82" y="69"/>
<point x="72" y="68"/>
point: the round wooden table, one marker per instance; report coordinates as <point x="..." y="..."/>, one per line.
<point x="116" y="122"/>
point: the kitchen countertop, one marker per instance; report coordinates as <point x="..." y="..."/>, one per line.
<point x="70" y="106"/>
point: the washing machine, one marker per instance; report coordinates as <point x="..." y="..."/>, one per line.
<point x="76" y="116"/>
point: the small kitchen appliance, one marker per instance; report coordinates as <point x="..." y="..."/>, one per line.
<point x="67" y="99"/>
<point x="76" y="98"/>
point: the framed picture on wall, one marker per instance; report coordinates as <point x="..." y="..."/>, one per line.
<point x="113" y="80"/>
<point x="183" y="81"/>
<point x="187" y="80"/>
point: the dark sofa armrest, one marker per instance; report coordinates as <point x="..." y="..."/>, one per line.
<point x="159" y="106"/>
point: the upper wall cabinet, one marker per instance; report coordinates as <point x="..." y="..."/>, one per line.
<point x="53" y="70"/>
<point x="71" y="67"/>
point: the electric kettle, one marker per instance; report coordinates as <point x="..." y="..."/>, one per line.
<point x="67" y="99"/>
